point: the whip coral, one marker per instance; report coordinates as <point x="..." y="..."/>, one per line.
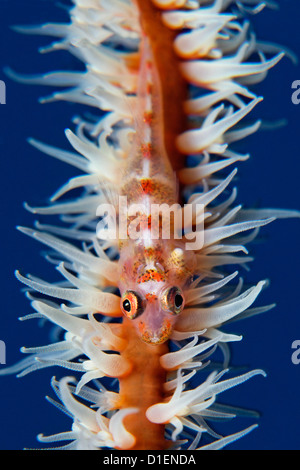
<point x="172" y="78"/>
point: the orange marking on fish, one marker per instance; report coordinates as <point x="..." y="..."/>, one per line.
<point x="151" y="275"/>
<point x="146" y="150"/>
<point x="147" y="185"/>
<point x="151" y="297"/>
<point x="148" y="117"/>
<point x="149" y="88"/>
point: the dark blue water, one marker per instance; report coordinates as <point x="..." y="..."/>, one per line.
<point x="269" y="179"/>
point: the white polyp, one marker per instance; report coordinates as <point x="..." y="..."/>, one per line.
<point x="197" y="318"/>
<point x="77" y="182"/>
<point x="112" y="365"/>
<point x="240" y="134"/>
<point x="207" y="197"/>
<point x="101" y="302"/>
<point x="123" y="439"/>
<point x="173" y="384"/>
<point x="99" y="161"/>
<point x="63" y="155"/>
<point x="87" y="204"/>
<point x="195" y="294"/>
<point x="204" y="72"/>
<point x="223" y="337"/>
<point x="195" y="141"/>
<point x="175" y="359"/>
<point x="194" y="18"/>
<point x="88" y="376"/>
<point x="202" y="105"/>
<point x="63" y="436"/>
<point x="103" y="267"/>
<point x="198" y="42"/>
<point x="77" y="326"/>
<point x="214" y="235"/>
<point x="196" y="400"/>
<point x="224" y="441"/>
<point x="228" y="217"/>
<point x="83" y="413"/>
<point x="195" y="174"/>
<point x="168" y="4"/>
<point x="209" y="262"/>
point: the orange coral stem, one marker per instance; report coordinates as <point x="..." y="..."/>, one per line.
<point x="141" y="388"/>
<point x="173" y="85"/>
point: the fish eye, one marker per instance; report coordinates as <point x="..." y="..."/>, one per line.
<point x="132" y="304"/>
<point x="173" y="300"/>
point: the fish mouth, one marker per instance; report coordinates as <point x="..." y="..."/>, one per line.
<point x="158" y="336"/>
